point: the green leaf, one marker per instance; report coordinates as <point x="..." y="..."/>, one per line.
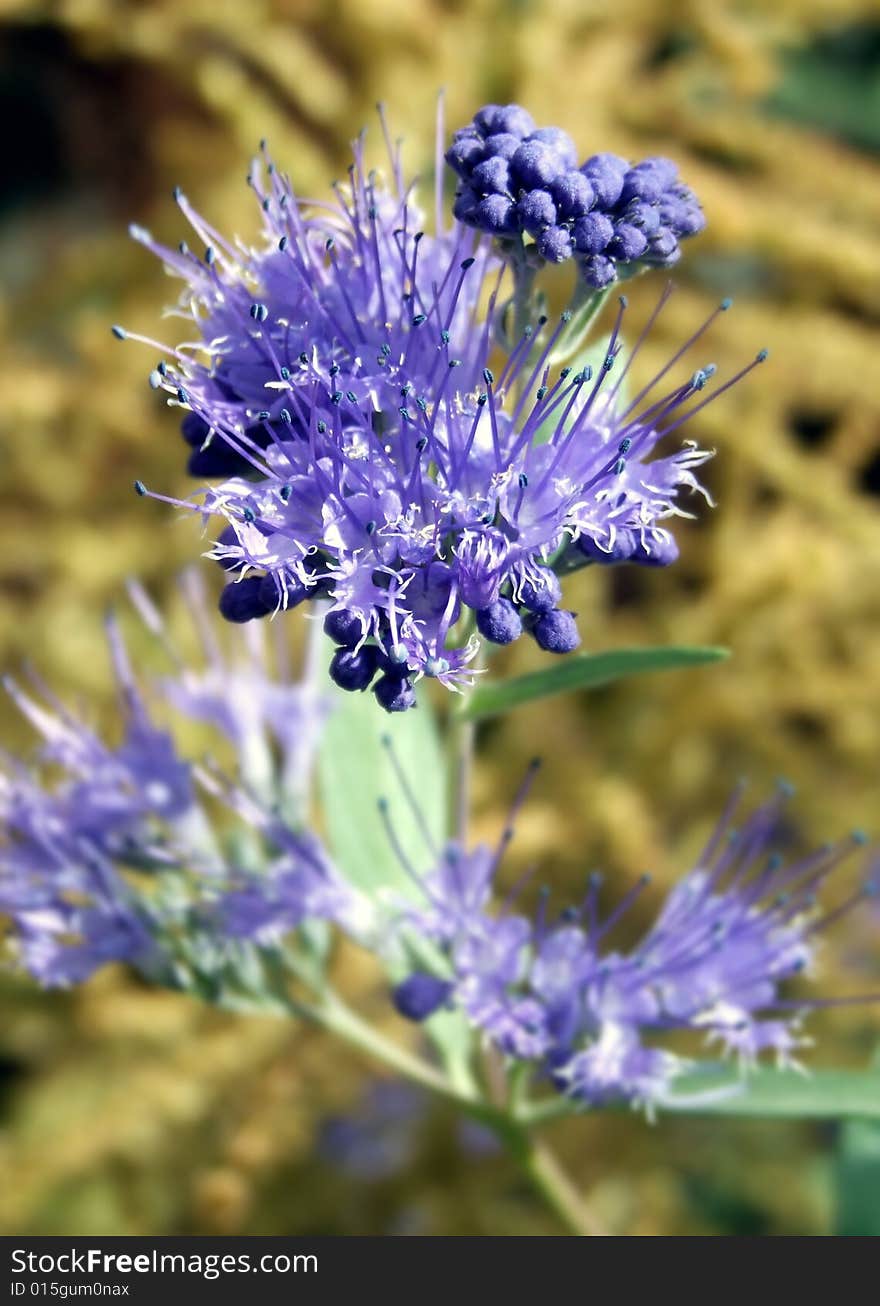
<point x="713" y="1090"/>
<point x="586" y="671"/>
<point x="355" y="772"/>
<point x="592" y="358"/>
<point x="856" y="1176"/>
<point x="857" y="1181"/>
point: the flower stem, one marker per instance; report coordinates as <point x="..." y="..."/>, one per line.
<point x="551" y="1182"/>
<point x="534" y="1159"/>
<point x="460" y="740"/>
<point x="544" y="1173"/>
<point x="335" y="1015"/>
<point x="461" y="749"/>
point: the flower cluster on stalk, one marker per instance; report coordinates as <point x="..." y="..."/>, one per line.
<point x="364" y="441"/>
<point x="552" y="991"/>
<point x="520" y="182"/>
<point x="210" y="880"/>
<point x="113" y="853"/>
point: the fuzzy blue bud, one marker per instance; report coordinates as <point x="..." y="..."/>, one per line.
<point x="592" y="233"/>
<point x="535" y="165"/>
<point x="354" y="671"/>
<point x="344" y="627"/>
<point x="394" y="693"/>
<point x="556" y="631"/>
<point x="542" y="592"/>
<point x="419" y="996"/>
<point x="500" y="623"/>
<point x="536" y="211"/>
<point x="242" y="600"/>
<point x="605" y="173"/>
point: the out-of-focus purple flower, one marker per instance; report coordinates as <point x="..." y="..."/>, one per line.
<point x="717" y="961"/>
<point x="117" y="858"/>
<point x="377" y="1138"/>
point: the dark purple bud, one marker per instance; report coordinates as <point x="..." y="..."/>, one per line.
<point x="218" y="459"/>
<point x="394" y="693"/>
<point x="666" y="169"/>
<point x="644" y="216"/>
<point x="503" y="145"/>
<point x="556" y="632"/>
<point x="497" y="215"/>
<point x="662" y="246"/>
<point x="555" y="244"/>
<point x="535" y="165"/>
<point x="682" y="213"/>
<point x="274" y="596"/>
<point x="354" y="671"/>
<point x="573" y="194"/>
<point x="656" y="552"/>
<point x="394" y="659"/>
<point x="647" y="180"/>
<point x="419" y="996"/>
<point x="465" y="206"/>
<point x="344" y="626"/>
<point x="620" y="550"/>
<point x="629" y="242"/>
<point x="542" y="593"/>
<point x="500" y="623"/>
<point x="669" y="259"/>
<point x="560" y="143"/>
<point x="536" y="211"/>
<point x="241" y="600"/>
<point x="228" y="537"/>
<point x="465" y="151"/>
<point x="598" y="271"/>
<point x="512" y="118"/>
<point x="606" y="173"/>
<point x="493" y="175"/>
<point x="194" y="430"/>
<point x="592" y="233"/>
<point x="486" y="118"/>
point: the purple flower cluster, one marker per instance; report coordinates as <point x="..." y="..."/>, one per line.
<point x="343" y="380"/>
<point x="727" y="939"/>
<point x="522" y="182"/>
<point x="119" y="860"/>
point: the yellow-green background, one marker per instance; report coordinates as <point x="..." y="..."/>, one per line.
<point x="129" y="1111"/>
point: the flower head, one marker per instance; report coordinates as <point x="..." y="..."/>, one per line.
<point x="127" y="857"/>
<point x="378" y="451"/>
<point x="726" y="942"/>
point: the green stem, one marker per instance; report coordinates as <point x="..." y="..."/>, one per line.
<point x="543" y="1112"/>
<point x="536" y="1162"/>
<point x="523" y="306"/>
<point x="546" y="1176"/>
<point x="551" y="1182"/>
<point x="335" y="1015"/>
<point x="462" y="737"/>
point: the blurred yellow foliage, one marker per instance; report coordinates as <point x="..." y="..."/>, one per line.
<point x="130" y="1111"/>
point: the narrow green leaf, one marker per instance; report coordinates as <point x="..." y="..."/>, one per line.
<point x="586" y="671"/>
<point x="857" y="1181"/>
<point x="355" y="771"/>
<point x="778" y="1094"/>
<point x="856" y="1178"/>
